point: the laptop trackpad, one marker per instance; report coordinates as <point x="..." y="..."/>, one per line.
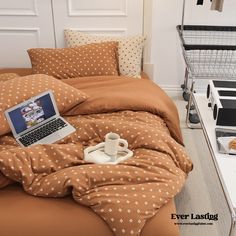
<point x="52" y="138"/>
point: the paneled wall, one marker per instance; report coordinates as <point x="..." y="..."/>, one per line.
<point x="122" y="17"/>
<point x="24" y="24"/>
<point x="40" y="23"/>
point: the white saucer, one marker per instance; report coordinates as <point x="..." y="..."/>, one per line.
<point x="97" y="155"/>
<point x="224" y="142"/>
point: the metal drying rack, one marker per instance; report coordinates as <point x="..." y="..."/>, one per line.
<point x="209" y="53"/>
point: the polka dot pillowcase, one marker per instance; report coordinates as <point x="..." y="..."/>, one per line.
<point x="129" y="49"/>
<point x="87" y="60"/>
<point x="17" y="90"/>
<point x="7" y="76"/>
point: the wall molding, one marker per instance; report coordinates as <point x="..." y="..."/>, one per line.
<point x="24" y="30"/>
<point x="111" y="31"/>
<point x="97" y="12"/>
<point x="173" y="88"/>
<point x="13" y="11"/>
<point x="176" y="89"/>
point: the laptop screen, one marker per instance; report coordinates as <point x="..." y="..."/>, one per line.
<point x="32" y="113"/>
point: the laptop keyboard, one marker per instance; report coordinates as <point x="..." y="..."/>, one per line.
<point x="42" y="132"/>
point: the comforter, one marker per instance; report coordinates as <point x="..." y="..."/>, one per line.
<point x="124" y="195"/>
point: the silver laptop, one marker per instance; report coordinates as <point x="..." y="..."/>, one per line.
<point x="37" y="121"/>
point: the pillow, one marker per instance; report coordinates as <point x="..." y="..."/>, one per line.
<point x="7" y="76"/>
<point x="15" y="91"/>
<point x="86" y="60"/>
<point x="129" y="49"/>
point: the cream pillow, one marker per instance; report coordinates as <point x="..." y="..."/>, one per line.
<point x="129" y="49"/>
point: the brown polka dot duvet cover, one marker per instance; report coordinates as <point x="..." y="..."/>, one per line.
<point x="124" y="195"/>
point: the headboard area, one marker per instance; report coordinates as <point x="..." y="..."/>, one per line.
<point x="41" y="24"/>
<point x="19" y="71"/>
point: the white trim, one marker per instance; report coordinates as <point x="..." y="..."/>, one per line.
<point x="20" y="12"/>
<point x="23" y="30"/>
<point x="19" y="29"/>
<point x="93" y="12"/>
<point x="112" y="31"/>
<point x="174" y="88"/>
<point x="199" y="89"/>
<point x="177" y="90"/>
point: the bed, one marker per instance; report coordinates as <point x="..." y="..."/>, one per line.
<point x="51" y="190"/>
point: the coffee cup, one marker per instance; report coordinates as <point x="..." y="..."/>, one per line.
<point x="113" y="144"/>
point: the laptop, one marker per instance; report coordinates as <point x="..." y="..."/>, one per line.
<point x="37" y="121"/>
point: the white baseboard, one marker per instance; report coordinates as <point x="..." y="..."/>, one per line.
<point x="174" y="88"/>
<point x="178" y="90"/>
<point x="172" y="91"/>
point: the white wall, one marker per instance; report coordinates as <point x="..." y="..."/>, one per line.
<point x="165" y="52"/>
<point x="28" y="24"/>
<point x="112" y="17"/>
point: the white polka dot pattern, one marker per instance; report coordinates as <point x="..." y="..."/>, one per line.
<point x="17" y="90"/>
<point x="129" y="49"/>
<point x="87" y="60"/>
<point x="7" y="76"/>
<point x="124" y="195"/>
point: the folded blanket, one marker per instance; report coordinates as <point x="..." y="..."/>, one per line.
<point x="124" y="195"/>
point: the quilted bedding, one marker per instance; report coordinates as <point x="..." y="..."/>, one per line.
<point x="124" y="195"/>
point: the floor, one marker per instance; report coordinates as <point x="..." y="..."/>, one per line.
<point x="202" y="192"/>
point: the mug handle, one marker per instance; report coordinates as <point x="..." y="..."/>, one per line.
<point x="125" y="144"/>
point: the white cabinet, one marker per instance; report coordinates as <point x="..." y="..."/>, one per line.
<point x="40" y="23"/>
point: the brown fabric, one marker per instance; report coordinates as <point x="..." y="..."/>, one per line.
<point x="113" y="93"/>
<point x="28" y="71"/>
<point x="8" y="76"/>
<point x="162" y="224"/>
<point x="127" y="195"/>
<point x="19" y="89"/>
<point x="4" y="181"/>
<point x="87" y="60"/>
<point x="44" y="216"/>
<point x="144" y="75"/>
<point x="19" y="71"/>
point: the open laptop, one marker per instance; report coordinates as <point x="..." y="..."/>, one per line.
<point x="37" y="121"/>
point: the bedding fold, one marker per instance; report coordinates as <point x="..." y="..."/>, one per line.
<point x="126" y="195"/>
<point x="113" y="93"/>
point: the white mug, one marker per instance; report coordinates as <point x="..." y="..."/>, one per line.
<point x="113" y="144"/>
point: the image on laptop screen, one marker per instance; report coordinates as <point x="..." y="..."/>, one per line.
<point x="32" y="113"/>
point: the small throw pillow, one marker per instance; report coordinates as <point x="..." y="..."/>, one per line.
<point x="7" y="76"/>
<point x="15" y="91"/>
<point x="129" y="49"/>
<point x="87" y="60"/>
